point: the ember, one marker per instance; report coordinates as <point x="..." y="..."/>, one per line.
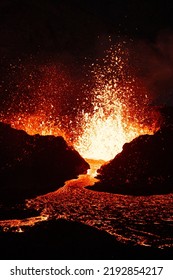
<point x="118" y="112"/>
<point x="121" y="110"/>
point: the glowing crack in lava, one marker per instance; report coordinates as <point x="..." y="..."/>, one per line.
<point x="119" y="110"/>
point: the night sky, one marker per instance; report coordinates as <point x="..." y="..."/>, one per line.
<point x="73" y="26"/>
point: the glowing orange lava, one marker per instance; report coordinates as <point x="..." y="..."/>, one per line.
<point x="38" y="124"/>
<point x="103" y="138"/>
<point x="119" y="111"/>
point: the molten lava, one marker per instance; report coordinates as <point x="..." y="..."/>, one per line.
<point x="104" y="137"/>
<point x="118" y="112"/>
<point x="38" y="124"/>
<point x="121" y="110"/>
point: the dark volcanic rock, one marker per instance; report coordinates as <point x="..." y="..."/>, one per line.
<point x="167" y="115"/>
<point x="145" y="166"/>
<point x="63" y="239"/>
<point x="17" y="211"/>
<point x="32" y="165"/>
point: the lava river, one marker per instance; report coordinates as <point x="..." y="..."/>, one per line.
<point x="144" y="220"/>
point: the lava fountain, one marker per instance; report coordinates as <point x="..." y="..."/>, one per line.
<point x="118" y="112"/>
<point x="121" y="110"/>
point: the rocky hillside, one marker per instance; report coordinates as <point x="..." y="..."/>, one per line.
<point x="145" y="165"/>
<point x="32" y="165"/>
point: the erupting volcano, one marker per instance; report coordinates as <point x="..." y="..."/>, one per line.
<point x="86" y="130"/>
<point x="116" y="109"/>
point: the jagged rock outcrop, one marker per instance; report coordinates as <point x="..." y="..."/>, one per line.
<point x="32" y="165"/>
<point x="145" y="166"/>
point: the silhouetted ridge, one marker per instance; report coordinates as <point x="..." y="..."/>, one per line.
<point x="32" y="165"/>
<point x="145" y="165"/>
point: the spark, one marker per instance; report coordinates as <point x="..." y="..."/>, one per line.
<point x="114" y="112"/>
<point x="120" y="109"/>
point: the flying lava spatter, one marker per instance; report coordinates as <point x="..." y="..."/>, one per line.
<point x="118" y="111"/>
<point x="121" y="108"/>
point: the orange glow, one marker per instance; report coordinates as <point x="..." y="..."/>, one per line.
<point x="119" y="111"/>
<point x="94" y="166"/>
<point x="37" y="124"/>
<point x="104" y="137"/>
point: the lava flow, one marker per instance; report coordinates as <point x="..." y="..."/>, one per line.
<point x="118" y="112"/>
